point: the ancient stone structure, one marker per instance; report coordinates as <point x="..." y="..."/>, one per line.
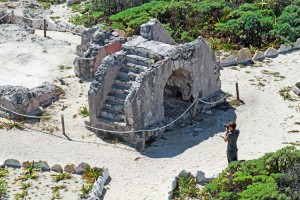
<point x="131" y="85"/>
<point x="28" y="101"/>
<point x="96" y="43"/>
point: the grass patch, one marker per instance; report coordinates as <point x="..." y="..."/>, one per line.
<point x="235" y="102"/>
<point x="285" y="93"/>
<point x="61" y="176"/>
<point x="85" y="189"/>
<point x="92" y="174"/>
<point x="186" y="188"/>
<point x="21" y="195"/>
<point x="24" y="186"/>
<point x="83" y="111"/>
<point x="3" y="188"/>
<point x="275" y="74"/>
<point x="294" y="131"/>
<point x="10" y="125"/>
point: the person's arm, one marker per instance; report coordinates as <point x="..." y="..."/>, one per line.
<point x="226" y="136"/>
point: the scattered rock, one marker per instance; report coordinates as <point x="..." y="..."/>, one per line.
<point x="12" y="163"/>
<point x="184" y="174"/>
<point x="82" y="167"/>
<point x="200" y="176"/>
<point x="271" y="52"/>
<point x="121" y="33"/>
<point x="297" y="44"/>
<point x="283" y="48"/>
<point x="70" y="168"/>
<point x="56" y="168"/>
<point x="198" y="129"/>
<point x="26" y="164"/>
<point x="243" y="56"/>
<point x="258" y="55"/>
<point x="71" y="2"/>
<point x="2" y="164"/>
<point x="115" y="33"/>
<point x="208" y="112"/>
<point x="43" y="165"/>
<point x="229" y="61"/>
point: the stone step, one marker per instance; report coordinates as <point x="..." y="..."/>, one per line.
<point x="138" y="68"/>
<point x="112" y="115"/>
<point x="119" y="90"/>
<point x="122" y="83"/>
<point x="127" y="69"/>
<point x="122" y="77"/>
<point x="139" y="60"/>
<point x="118" y="98"/>
<point x="108" y="122"/>
<point x="113" y="106"/>
<point x="129" y="75"/>
<point x="142" y="52"/>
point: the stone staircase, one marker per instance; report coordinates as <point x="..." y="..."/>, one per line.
<point x="112" y="111"/>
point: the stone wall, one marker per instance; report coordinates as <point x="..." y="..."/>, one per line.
<point x="28" y="101"/>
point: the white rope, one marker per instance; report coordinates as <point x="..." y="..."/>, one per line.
<point x="29" y="116"/>
<point x="4" y="15"/>
<point x="206" y="102"/>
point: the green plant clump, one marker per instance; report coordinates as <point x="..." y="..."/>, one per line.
<point x="273" y="176"/>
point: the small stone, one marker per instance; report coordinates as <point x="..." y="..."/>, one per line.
<point x="297" y="44"/>
<point x="121" y="33"/>
<point x="271" y="52"/>
<point x="56" y="168"/>
<point x="198" y="129"/>
<point x="115" y="33"/>
<point x="70" y="168"/>
<point x="2" y="164"/>
<point x="82" y="167"/>
<point x="283" y="48"/>
<point x="243" y="56"/>
<point x="184" y="174"/>
<point x="43" y="165"/>
<point x="12" y="163"/>
<point x="258" y="55"/>
<point x="229" y="61"/>
<point x="200" y="176"/>
<point x="26" y="164"/>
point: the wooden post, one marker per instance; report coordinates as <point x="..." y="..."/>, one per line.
<point x="194" y="111"/>
<point x="63" y="124"/>
<point x="237" y="91"/>
<point x="45" y="27"/>
<point x="144" y="141"/>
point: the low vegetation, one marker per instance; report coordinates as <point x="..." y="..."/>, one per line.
<point x="61" y="176"/>
<point x="273" y="176"/>
<point x="285" y="93"/>
<point x="84" y="111"/>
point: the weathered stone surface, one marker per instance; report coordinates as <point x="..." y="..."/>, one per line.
<point x="26" y="164"/>
<point x="297" y="44"/>
<point x="130" y="86"/>
<point x="12" y="163"/>
<point x="243" y="56"/>
<point x="173" y="186"/>
<point x="96" y="44"/>
<point x="28" y="101"/>
<point x="70" y="168"/>
<point x="200" y="176"/>
<point x="283" y="48"/>
<point x="271" y="52"/>
<point x="82" y="167"/>
<point x="296" y="88"/>
<point x="258" y="55"/>
<point x="57" y="168"/>
<point x="154" y="30"/>
<point x="2" y="164"/>
<point x="99" y="184"/>
<point x="184" y="174"/>
<point x="229" y="61"/>
<point x="43" y="165"/>
<point x="197" y="129"/>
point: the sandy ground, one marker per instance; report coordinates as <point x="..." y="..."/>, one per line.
<point x="265" y="121"/>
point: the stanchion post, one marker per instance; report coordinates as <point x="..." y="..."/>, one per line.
<point x="45" y="27"/>
<point x="237" y="91"/>
<point x="63" y="124"/>
<point x="144" y="141"/>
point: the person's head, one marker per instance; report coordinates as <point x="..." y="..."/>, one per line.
<point x="231" y="125"/>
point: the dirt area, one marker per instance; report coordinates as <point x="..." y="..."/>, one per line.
<point x="266" y="121"/>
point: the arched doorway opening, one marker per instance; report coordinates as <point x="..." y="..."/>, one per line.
<point x="177" y="93"/>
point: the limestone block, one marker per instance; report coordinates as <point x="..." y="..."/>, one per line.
<point x="229" y="61"/>
<point x="297" y="44"/>
<point x="296" y="88"/>
<point x="79" y="29"/>
<point x="200" y="176"/>
<point x="16" y="19"/>
<point x="121" y="33"/>
<point x="271" y="52"/>
<point x="258" y="55"/>
<point x="51" y="26"/>
<point x="243" y="56"/>
<point x="63" y="26"/>
<point x="154" y="30"/>
<point x="70" y="168"/>
<point x="56" y="168"/>
<point x="43" y="165"/>
<point x="173" y="186"/>
<point x="283" y="48"/>
<point x="7" y="17"/>
<point x="12" y="163"/>
<point x="82" y="167"/>
<point x="99" y="184"/>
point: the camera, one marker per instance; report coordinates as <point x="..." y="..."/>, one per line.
<point x="225" y="125"/>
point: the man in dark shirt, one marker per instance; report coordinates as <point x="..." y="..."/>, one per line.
<point x="231" y="137"/>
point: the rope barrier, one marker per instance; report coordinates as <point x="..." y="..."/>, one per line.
<point x="4" y="15"/>
<point x="29" y="116"/>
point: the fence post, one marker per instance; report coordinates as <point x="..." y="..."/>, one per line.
<point x="237" y="91"/>
<point x="144" y="141"/>
<point x="45" y="27"/>
<point x="194" y="111"/>
<point x="63" y="124"/>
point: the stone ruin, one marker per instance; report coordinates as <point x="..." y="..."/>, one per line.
<point x="28" y="101"/>
<point x="131" y="86"/>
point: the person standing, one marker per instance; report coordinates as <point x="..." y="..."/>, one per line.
<point x="231" y="137"/>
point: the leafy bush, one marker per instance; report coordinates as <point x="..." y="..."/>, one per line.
<point x="273" y="176"/>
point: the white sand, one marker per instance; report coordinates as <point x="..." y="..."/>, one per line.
<point x="264" y="122"/>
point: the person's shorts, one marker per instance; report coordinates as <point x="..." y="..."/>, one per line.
<point x="232" y="156"/>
